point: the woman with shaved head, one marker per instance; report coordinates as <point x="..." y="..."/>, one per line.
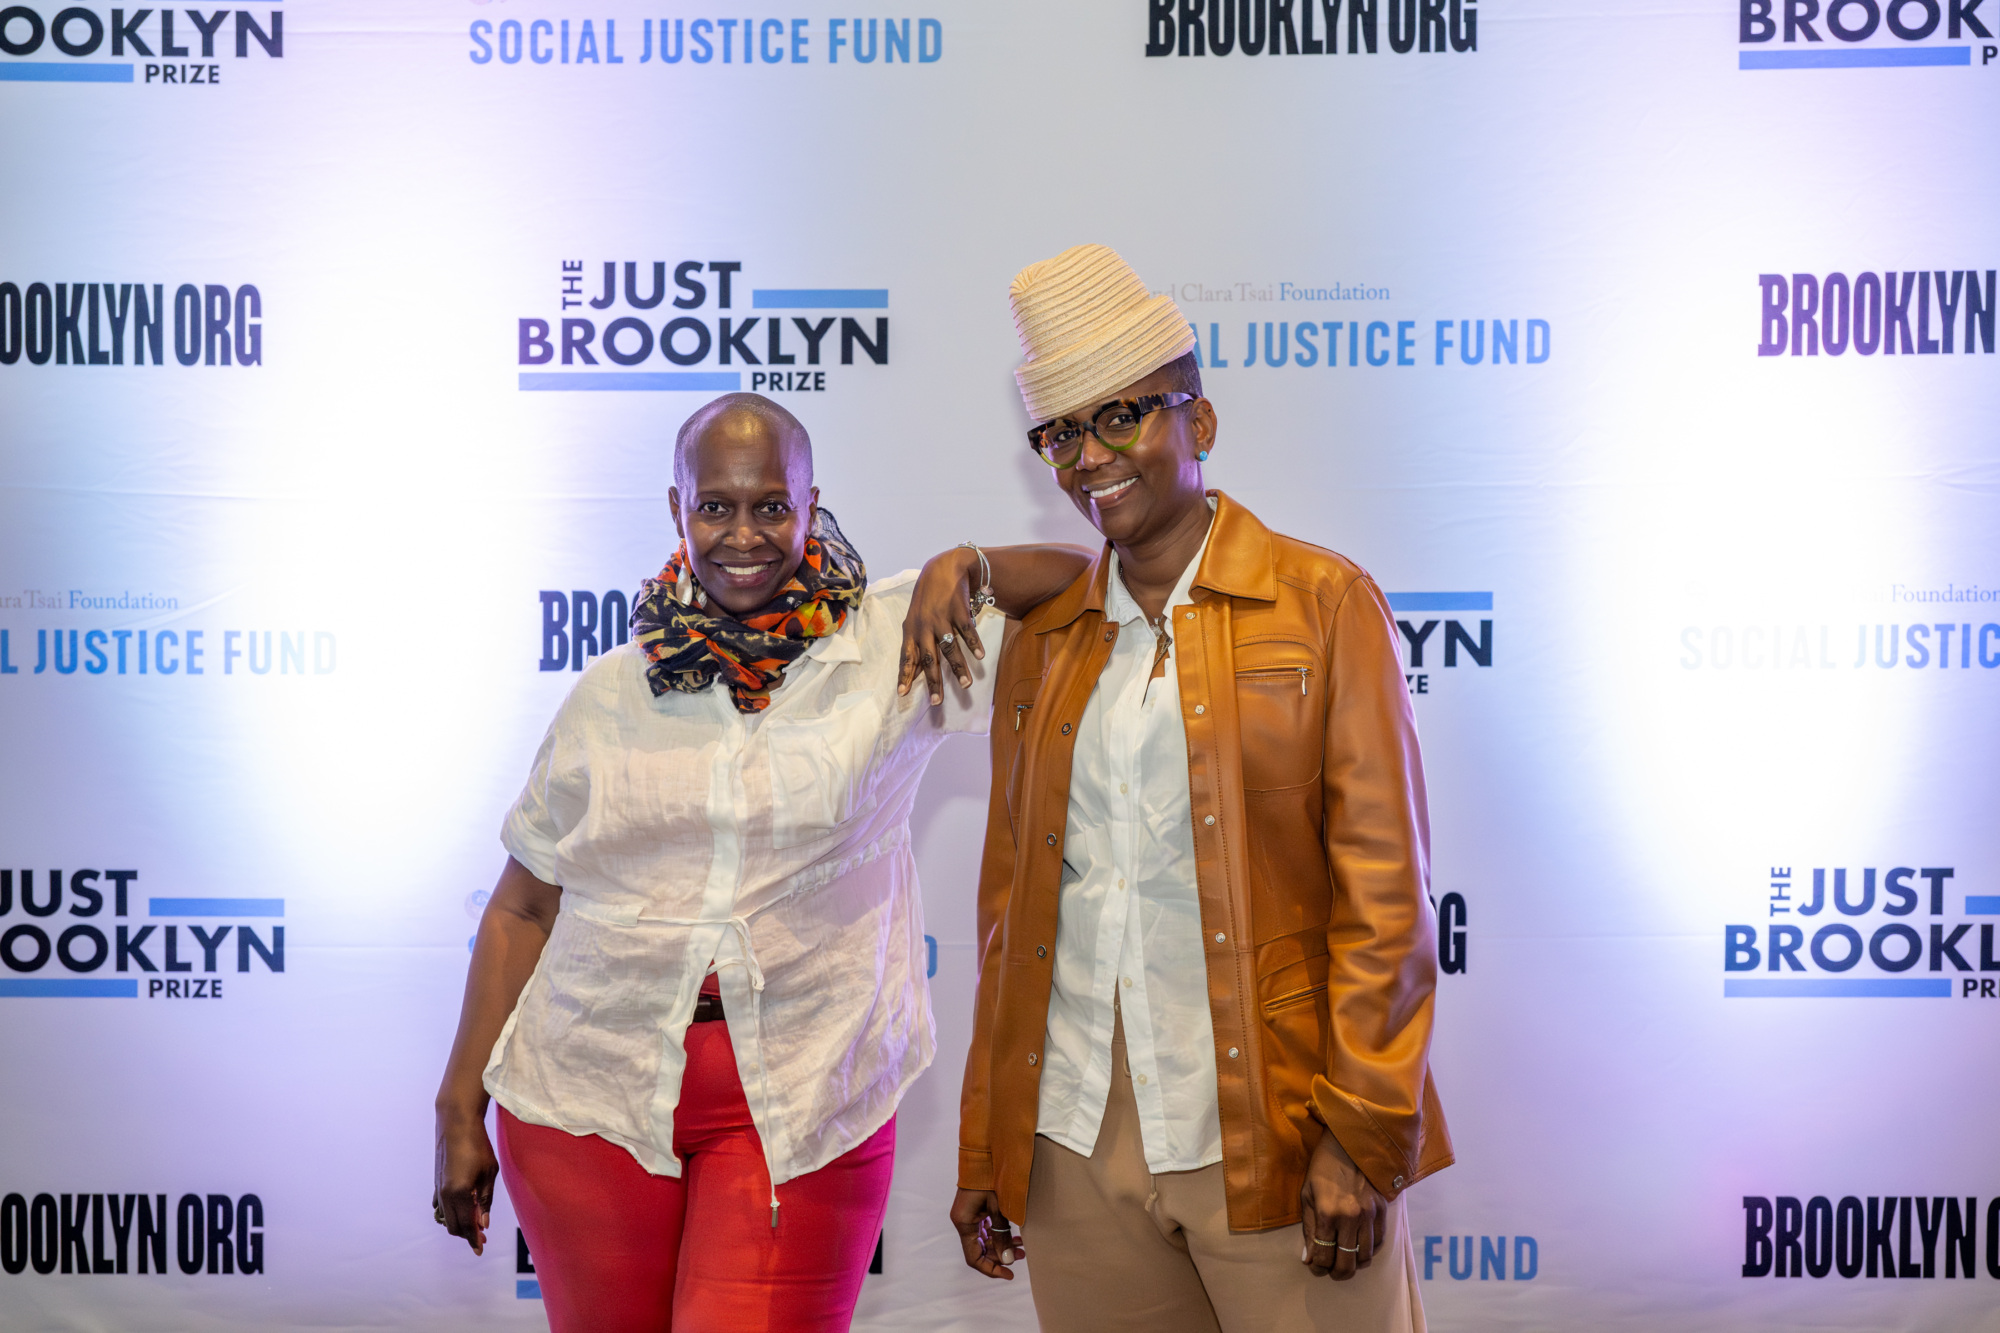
<point x="698" y="990"/>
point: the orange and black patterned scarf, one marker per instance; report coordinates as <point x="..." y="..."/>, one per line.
<point x="690" y="644"/>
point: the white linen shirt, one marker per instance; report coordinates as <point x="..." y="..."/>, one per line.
<point x="772" y="848"/>
<point x="1129" y="920"/>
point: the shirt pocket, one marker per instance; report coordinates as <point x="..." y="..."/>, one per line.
<point x="1280" y="709"/>
<point x="823" y="768"/>
<point x="1018" y="712"/>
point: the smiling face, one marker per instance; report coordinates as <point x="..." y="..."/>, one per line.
<point x="1145" y="490"/>
<point x="744" y="502"/>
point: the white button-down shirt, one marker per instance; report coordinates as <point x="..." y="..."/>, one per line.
<point x="773" y="848"/>
<point x="1129" y="923"/>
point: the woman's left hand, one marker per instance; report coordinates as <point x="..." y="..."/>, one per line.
<point x="1344" y="1217"/>
<point x="939" y="627"/>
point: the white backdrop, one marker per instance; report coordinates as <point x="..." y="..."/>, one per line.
<point x="1670" y="574"/>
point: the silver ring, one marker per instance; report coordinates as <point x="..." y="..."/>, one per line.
<point x="946" y="640"/>
<point x="1348" y="1250"/>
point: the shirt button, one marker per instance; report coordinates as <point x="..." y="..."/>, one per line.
<point x="1232" y="1052"/>
<point x="1121" y="789"/>
<point x="1208" y="819"/>
<point x="1033" y="1058"/>
<point x="1051" y="840"/>
<point x="1121" y="883"/>
<point x="1041" y="951"/>
<point x="1199" y="709"/>
<point x="1220" y="937"/>
<point x="1142" y="1078"/>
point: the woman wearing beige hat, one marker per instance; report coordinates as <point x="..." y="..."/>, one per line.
<point x="1199" y="1071"/>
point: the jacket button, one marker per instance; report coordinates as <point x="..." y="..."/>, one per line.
<point x="1232" y="1052"/>
<point x="1208" y="819"/>
<point x="1199" y="709"/>
<point x="1041" y="951"/>
<point x="1033" y="1058"/>
<point x="1110" y="634"/>
<point x="1190" y="615"/>
<point x="1065" y="728"/>
<point x="1051" y="839"/>
<point x="1220" y="937"/>
<point x="1397" y="1183"/>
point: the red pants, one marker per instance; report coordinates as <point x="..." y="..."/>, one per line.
<point x="620" y="1250"/>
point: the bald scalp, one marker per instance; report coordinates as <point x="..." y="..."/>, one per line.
<point x="739" y="418"/>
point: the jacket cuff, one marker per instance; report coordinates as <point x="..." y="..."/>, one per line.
<point x="975" y="1168"/>
<point x="1388" y="1168"/>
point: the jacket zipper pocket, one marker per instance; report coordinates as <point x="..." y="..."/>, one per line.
<point x="1296" y="997"/>
<point x="1303" y="672"/>
<point x="1018" y="710"/>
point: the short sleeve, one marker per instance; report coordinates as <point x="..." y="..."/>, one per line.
<point x="552" y="803"/>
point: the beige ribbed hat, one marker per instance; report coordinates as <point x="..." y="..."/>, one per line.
<point x="1089" y="329"/>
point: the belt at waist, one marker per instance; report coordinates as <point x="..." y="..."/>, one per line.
<point x="708" y="1009"/>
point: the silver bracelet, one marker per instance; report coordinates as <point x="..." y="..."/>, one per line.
<point x="982" y="597"/>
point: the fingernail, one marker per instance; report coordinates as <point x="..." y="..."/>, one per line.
<point x="937" y="698"/>
<point x="1303" y="1253"/>
<point x="979" y="653"/>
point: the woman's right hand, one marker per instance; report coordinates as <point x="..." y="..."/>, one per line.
<point x="462" y="1200"/>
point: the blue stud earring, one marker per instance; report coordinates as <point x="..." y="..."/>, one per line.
<point x="1201" y="456"/>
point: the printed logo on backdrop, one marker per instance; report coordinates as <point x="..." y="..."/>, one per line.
<point x="1967" y="642"/>
<point x="86" y="323"/>
<point x="697" y="320"/>
<point x="99" y="1235"/>
<point x="84" y="44"/>
<point x="146" y="646"/>
<point x="1310" y="27"/>
<point x="704" y="41"/>
<point x="1454" y="1254"/>
<point x="1855" y="34"/>
<point x="1303" y="344"/>
<point x="1883" y="1236"/>
<point x="579" y="625"/>
<point x="1918" y="312"/>
<point x="73" y="937"/>
<point x="1864" y="931"/>
<point x="1443" y="631"/>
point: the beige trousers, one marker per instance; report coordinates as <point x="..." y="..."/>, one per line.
<point x="1111" y="1246"/>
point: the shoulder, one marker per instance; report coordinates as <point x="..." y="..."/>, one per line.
<point x="1327" y="577"/>
<point x="609" y="685"/>
<point x="891" y="594"/>
<point x="875" y="625"/>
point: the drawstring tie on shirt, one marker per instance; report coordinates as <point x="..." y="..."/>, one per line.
<point x="748" y="962"/>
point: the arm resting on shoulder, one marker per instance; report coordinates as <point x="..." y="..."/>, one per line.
<point x="1023" y="578"/>
<point x="512" y="931"/>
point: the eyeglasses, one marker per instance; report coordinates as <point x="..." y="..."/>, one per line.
<point x="1115" y="424"/>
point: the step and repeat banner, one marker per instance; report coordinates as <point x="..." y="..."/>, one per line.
<point x="1644" y="353"/>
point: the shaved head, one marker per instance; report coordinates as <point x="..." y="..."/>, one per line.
<point x="738" y="418"/>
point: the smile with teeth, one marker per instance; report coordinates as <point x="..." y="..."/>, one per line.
<point x="1108" y="489"/>
<point x="745" y="571"/>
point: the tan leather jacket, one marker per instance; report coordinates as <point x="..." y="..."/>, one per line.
<point x="1312" y="851"/>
